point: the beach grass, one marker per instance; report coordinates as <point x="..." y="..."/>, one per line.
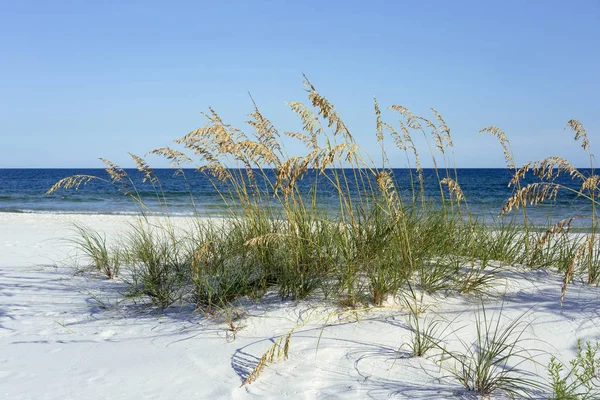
<point x="493" y="362"/>
<point x="374" y="242"/>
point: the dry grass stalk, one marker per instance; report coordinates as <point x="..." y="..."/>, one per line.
<point x="411" y="119"/>
<point x="378" y="122"/>
<point x="395" y="136"/>
<point x="265" y="239"/>
<point x="294" y="168"/>
<point x="519" y="174"/>
<point x="265" y="131"/>
<point x="144" y="168"/>
<point x="337" y="153"/>
<point x="437" y="137"/>
<point x="116" y="173"/>
<point x="504" y="142"/>
<point x="300" y="136"/>
<point x="71" y="182"/>
<point x="550" y="168"/>
<point x="533" y="194"/>
<point x="278" y="351"/>
<point x="214" y="139"/>
<point x="386" y="185"/>
<point x="327" y="111"/>
<point x="443" y="128"/>
<point x="312" y="125"/>
<point x="590" y="184"/>
<point x="216" y="169"/>
<point x="255" y="152"/>
<point x="590" y="249"/>
<point x="176" y="157"/>
<point x="454" y="188"/>
<point x="411" y="145"/>
<point x="203" y="255"/>
<point x="580" y="133"/>
<point x="569" y="274"/>
<point x="563" y="226"/>
<point x="118" y="176"/>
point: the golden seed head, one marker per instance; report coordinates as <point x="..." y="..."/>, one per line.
<point x="580" y="133"/>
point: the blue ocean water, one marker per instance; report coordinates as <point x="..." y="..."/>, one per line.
<point x="23" y="190"/>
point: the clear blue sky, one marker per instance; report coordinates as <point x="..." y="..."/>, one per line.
<point x="81" y="80"/>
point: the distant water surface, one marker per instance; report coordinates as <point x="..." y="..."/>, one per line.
<point x="23" y="191"/>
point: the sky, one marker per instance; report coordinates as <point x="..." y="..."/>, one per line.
<point x="81" y="80"/>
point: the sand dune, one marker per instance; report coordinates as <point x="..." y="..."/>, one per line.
<point x="66" y="336"/>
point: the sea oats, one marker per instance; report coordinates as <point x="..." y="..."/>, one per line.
<point x="443" y="128"/>
<point x="71" y="182"/>
<point x="200" y="141"/>
<point x="295" y="167"/>
<point x="144" y="168"/>
<point x="265" y="239"/>
<point x="289" y="172"/>
<point x="176" y="157"/>
<point x="454" y="188"/>
<point x="116" y="173"/>
<point x="118" y="176"/>
<point x="590" y="184"/>
<point x="411" y="119"/>
<point x="378" y="122"/>
<point x="280" y="347"/>
<point x="395" y="136"/>
<point x="592" y="272"/>
<point x="307" y="140"/>
<point x="437" y="137"/>
<point x="569" y="273"/>
<point x="386" y="186"/>
<point x="580" y="133"/>
<point x="563" y="226"/>
<point x="337" y="153"/>
<point x="551" y="167"/>
<point x="256" y="152"/>
<point x="411" y="145"/>
<point x="216" y="169"/>
<point x="519" y="174"/>
<point x="504" y="142"/>
<point x="327" y="111"/>
<point x="260" y="366"/>
<point x="265" y="132"/>
<point x="533" y="194"/>
<point x="311" y="122"/>
<point x="203" y="255"/>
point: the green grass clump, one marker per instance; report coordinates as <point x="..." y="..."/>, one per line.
<point x="372" y="240"/>
<point x="105" y="259"/>
<point x="424" y="332"/>
<point x="492" y="362"/>
<point x="158" y="268"/>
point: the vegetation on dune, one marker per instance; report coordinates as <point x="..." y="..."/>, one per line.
<point x="381" y="240"/>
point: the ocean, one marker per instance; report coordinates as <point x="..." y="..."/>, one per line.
<point x="23" y="191"/>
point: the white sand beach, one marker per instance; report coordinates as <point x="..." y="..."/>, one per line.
<point x="70" y="336"/>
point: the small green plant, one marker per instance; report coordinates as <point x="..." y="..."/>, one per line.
<point x="104" y="259"/>
<point x="582" y="381"/>
<point x="492" y="362"/>
<point x="424" y="332"/>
